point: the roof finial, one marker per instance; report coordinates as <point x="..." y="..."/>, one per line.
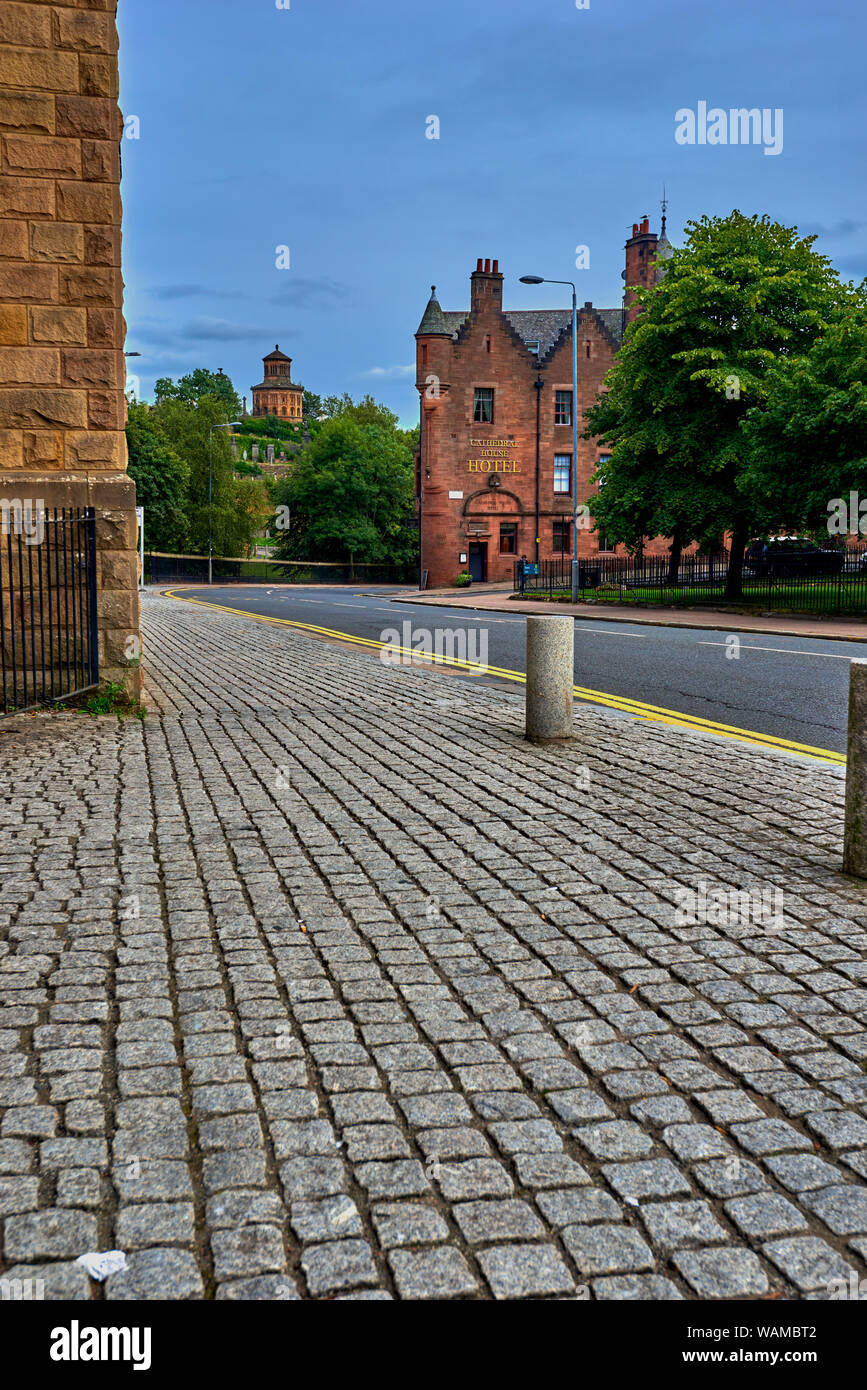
<point x="664" y="210"/>
<point x="433" y="291"/>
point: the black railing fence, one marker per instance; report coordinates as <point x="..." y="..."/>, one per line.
<point x="48" y="629"/>
<point x="174" y="569"/>
<point x="701" y="579"/>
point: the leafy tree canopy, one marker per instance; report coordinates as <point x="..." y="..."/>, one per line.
<point x="351" y="491"/>
<point x="161" y="480"/>
<point x="808" y="441"/>
<point x="238" y="507"/>
<point x="202" y="382"/>
<point x="741" y="296"/>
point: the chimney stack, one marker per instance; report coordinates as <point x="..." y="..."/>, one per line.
<point x="486" y="286"/>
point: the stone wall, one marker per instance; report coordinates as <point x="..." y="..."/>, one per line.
<point x="62" y="371"/>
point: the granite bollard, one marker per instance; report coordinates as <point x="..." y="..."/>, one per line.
<point x="855" y="831"/>
<point x="550" y="678"/>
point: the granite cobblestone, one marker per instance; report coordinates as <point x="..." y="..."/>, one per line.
<point x="305" y="996"/>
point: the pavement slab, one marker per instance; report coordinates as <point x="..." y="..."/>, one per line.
<point x="323" y="983"/>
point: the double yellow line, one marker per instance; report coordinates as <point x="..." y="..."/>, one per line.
<point x="639" y="709"/>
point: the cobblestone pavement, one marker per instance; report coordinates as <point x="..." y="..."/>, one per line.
<point x="324" y="983"/>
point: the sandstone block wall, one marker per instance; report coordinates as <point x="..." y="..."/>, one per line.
<point x="62" y="370"/>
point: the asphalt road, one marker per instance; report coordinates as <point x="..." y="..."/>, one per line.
<point x="792" y="688"/>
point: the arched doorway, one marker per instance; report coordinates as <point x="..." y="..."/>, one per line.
<point x="493" y="523"/>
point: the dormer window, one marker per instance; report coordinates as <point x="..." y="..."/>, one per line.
<point x="533" y="346"/>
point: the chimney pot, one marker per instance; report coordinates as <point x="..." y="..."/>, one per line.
<point x="487" y="267"/>
<point x="635" y="229"/>
<point x="478" y="265"/>
<point x="496" y="267"/>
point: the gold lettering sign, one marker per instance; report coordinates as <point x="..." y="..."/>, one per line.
<point x="494" y="456"/>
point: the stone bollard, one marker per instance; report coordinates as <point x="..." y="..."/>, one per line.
<point x="550" y="678"/>
<point x="855" y="832"/>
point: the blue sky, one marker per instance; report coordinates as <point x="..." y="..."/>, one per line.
<point x="305" y="127"/>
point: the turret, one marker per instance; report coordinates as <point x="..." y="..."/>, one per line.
<point x="432" y="354"/>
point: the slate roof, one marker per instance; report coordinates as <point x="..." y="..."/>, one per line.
<point x="545" y="325"/>
<point x="664" y="252"/>
<point x="433" y="319"/>
<point x="531" y="325"/>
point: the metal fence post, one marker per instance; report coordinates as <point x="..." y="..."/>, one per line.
<point x="93" y="626"/>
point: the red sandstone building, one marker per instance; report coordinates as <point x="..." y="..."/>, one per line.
<point x="276" y="394"/>
<point x="495" y="455"/>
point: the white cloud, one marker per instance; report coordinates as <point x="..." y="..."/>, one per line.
<point x="390" y="373"/>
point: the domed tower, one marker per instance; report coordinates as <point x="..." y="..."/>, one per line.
<point x="276" y="394"/>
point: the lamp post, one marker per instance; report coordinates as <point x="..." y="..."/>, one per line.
<point x="543" y="280"/>
<point x="227" y="425"/>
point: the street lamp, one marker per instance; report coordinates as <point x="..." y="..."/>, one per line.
<point x="227" y="425"/>
<point x="542" y="280"/>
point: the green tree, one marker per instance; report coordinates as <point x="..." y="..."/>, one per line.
<point x="742" y="294"/>
<point x="809" y="438"/>
<point x="351" y="492"/>
<point x="239" y="506"/>
<point x="334" y="405"/>
<point x="161" y="480"/>
<point x="202" y="382"/>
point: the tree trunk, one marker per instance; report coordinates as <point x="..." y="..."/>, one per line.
<point x="740" y="537"/>
<point x="674" y="556"/>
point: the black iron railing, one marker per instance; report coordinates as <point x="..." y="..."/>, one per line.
<point x="804" y="584"/>
<point x="48" y="629"/>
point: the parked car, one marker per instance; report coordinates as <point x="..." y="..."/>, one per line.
<point x="790" y="557"/>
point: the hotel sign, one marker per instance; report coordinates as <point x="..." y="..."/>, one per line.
<point x="493" y="456"/>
